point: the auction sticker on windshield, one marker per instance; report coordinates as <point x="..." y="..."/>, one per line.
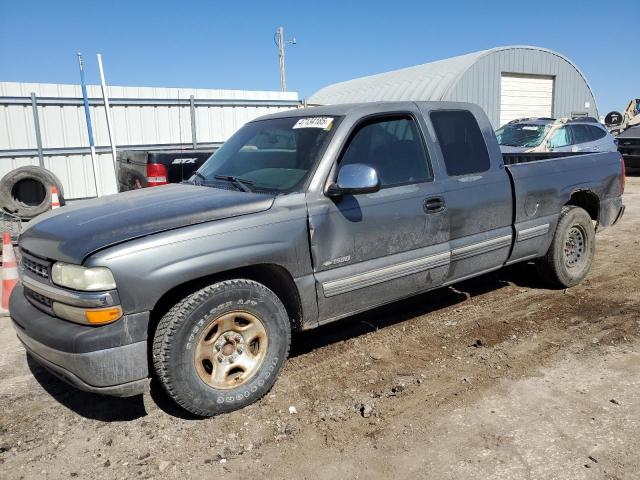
<point x="314" y="122"/>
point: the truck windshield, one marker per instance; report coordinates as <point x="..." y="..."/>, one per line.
<point x="274" y="155"/>
<point x="522" y="135"/>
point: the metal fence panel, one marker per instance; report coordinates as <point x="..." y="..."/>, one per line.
<point x="143" y="117"/>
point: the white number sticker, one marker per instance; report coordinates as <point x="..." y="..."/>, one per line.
<point x="315" y="122"/>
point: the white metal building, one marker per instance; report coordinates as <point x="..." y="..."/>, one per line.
<point x="507" y="82"/>
<point x="143" y="117"/>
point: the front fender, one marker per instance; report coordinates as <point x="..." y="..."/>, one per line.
<point x="146" y="268"/>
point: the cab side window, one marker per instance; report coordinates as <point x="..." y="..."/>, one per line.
<point x="394" y="147"/>
<point x="461" y="142"/>
<point x="560" y="138"/>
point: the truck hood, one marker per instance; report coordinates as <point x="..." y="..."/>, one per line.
<point x="75" y="231"/>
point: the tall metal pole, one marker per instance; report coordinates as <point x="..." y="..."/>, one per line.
<point x="283" y="80"/>
<point x="87" y="115"/>
<point x="194" y="132"/>
<point x="36" y="125"/>
<point x="107" y="110"/>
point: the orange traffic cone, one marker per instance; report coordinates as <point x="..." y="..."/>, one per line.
<point x="55" y="201"/>
<point x="9" y="270"/>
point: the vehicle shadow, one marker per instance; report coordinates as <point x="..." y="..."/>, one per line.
<point x="85" y="404"/>
<point x="103" y="407"/>
<point x="521" y="275"/>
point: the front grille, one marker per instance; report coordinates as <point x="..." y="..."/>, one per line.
<point x="40" y="268"/>
<point x="41" y="299"/>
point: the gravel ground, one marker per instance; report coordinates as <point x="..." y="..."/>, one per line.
<point x="496" y="377"/>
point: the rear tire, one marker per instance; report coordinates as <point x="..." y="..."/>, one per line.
<point x="222" y="347"/>
<point x="569" y="258"/>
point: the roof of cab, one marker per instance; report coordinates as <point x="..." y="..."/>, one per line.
<point x="358" y="108"/>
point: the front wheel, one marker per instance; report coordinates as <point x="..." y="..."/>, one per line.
<point x="222" y="347"/>
<point x="572" y="249"/>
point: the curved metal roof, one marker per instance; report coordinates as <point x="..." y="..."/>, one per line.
<point x="429" y="81"/>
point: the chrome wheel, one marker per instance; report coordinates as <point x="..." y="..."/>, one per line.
<point x="230" y="349"/>
<point x="574" y="246"/>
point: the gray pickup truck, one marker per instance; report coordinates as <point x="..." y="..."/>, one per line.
<point x="299" y="219"/>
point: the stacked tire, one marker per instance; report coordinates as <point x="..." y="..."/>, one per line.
<point x="26" y="191"/>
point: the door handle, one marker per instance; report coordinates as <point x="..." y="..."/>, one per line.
<point x="433" y="204"/>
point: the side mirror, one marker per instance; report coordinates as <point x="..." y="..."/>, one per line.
<point x="354" y="179"/>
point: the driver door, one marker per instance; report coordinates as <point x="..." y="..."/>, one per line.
<point x="373" y="248"/>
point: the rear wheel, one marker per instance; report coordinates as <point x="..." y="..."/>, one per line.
<point x="571" y="253"/>
<point x="222" y="347"/>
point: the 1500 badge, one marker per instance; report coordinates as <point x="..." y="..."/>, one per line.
<point x="337" y="261"/>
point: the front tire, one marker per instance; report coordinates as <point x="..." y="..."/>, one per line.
<point x="222" y="347"/>
<point x="572" y="249"/>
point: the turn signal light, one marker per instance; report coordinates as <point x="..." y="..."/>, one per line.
<point x="107" y="315"/>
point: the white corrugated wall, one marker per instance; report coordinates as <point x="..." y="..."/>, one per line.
<point x="64" y="126"/>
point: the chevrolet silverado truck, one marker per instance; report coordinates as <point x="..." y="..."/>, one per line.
<point x="301" y="218"/>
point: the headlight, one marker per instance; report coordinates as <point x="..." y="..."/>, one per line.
<point x="82" y="278"/>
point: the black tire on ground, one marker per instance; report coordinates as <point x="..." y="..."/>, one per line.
<point x="200" y="343"/>
<point x="26" y="191"/>
<point x="572" y="249"/>
<point x="130" y="179"/>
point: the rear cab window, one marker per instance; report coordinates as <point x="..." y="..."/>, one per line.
<point x="461" y="142"/>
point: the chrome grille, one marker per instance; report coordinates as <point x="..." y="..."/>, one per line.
<point x="40" y="268"/>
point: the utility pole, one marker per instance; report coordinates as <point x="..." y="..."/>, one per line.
<point x="281" y="44"/>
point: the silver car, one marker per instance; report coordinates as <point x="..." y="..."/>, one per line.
<point x="534" y="135"/>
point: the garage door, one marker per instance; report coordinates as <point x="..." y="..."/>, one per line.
<point x="525" y="96"/>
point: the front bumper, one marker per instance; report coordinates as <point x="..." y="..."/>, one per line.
<point x="109" y="359"/>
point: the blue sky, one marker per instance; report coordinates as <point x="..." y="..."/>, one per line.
<point x="214" y="44"/>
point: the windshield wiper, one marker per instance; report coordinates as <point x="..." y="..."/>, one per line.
<point x="241" y="183"/>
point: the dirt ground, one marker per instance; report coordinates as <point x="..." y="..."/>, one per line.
<point x="497" y="377"/>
